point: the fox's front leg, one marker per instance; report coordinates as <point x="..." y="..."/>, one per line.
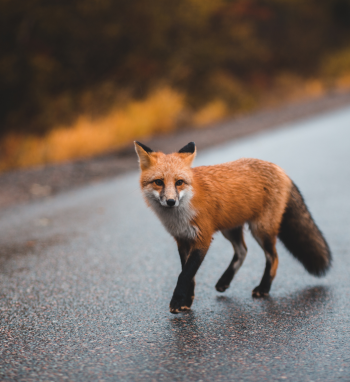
<point x="191" y="259"/>
<point x="184" y="247"/>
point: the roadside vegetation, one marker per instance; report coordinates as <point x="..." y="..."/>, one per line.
<point x="79" y="78"/>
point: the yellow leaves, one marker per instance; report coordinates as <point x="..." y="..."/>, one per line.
<point x="314" y="87"/>
<point x="86" y="137"/>
<point x="211" y="112"/>
<point x="337" y="64"/>
<point x="343" y="82"/>
<point x="161" y="112"/>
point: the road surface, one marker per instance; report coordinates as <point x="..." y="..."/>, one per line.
<point x="86" y="278"/>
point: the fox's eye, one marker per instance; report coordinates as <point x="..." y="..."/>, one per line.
<point x="180" y="182"/>
<point x="158" y="182"/>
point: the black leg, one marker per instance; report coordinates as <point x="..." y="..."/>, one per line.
<point x="235" y="236"/>
<point x="184" y="247"/>
<point x="225" y="280"/>
<point x="185" y="282"/>
<point x="270" y="269"/>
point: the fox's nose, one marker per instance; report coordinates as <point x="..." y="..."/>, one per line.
<point x="170" y="202"/>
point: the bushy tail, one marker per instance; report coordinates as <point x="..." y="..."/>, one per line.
<point x="301" y="236"/>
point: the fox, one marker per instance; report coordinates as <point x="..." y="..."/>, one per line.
<point x="193" y="203"/>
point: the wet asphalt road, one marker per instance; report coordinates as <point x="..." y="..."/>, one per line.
<point x="86" y="278"/>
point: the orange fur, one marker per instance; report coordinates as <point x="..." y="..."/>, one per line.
<point x="231" y="194"/>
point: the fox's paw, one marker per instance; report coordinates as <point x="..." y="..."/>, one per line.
<point x="225" y="280"/>
<point x="260" y="292"/>
<point x="180" y="304"/>
<point x="221" y="286"/>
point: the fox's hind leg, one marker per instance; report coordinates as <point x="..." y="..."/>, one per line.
<point x="268" y="244"/>
<point x="235" y="236"/>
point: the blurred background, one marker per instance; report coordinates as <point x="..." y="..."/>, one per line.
<point x="80" y="78"/>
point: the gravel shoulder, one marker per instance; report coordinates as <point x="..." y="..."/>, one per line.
<point x="23" y="186"/>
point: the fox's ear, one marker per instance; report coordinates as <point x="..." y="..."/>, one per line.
<point x="190" y="153"/>
<point x="143" y="152"/>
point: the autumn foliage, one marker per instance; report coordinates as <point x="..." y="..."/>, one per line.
<point x="72" y="63"/>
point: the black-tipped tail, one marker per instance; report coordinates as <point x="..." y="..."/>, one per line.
<point x="301" y="236"/>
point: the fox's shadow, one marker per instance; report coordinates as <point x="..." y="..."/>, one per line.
<point x="234" y="321"/>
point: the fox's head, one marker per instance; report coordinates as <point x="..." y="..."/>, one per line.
<point x="166" y="179"/>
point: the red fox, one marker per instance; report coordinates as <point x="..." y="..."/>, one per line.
<point x="194" y="203"/>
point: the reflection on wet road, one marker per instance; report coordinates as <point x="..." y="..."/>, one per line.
<point x="86" y="279"/>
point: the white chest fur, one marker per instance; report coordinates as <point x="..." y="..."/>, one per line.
<point x="176" y="220"/>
